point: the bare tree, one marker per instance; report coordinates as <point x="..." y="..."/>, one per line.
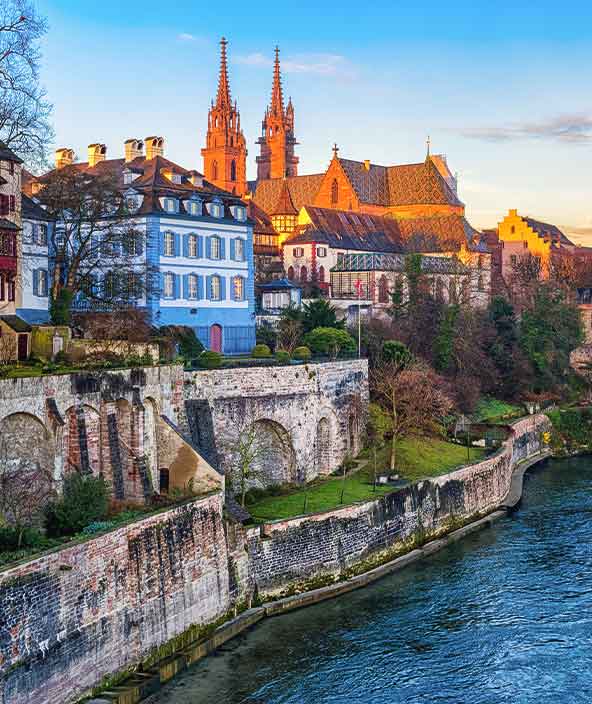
<point x="411" y="396"/>
<point x="96" y="247"/>
<point x="7" y="349"/>
<point x="24" y="109"/>
<point x="25" y="489"/>
<point x="289" y="334"/>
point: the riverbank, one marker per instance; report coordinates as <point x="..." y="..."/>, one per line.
<point x="363" y="573"/>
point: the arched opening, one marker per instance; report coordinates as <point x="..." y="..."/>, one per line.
<point x="214" y="171"/>
<point x="383" y="291"/>
<point x="82" y="440"/>
<point x="303" y="274"/>
<point x="334" y="192"/>
<point x="291" y="273"/>
<point x="276" y="459"/>
<point x="322" y="274"/>
<point x="233" y="170"/>
<point x="216" y="338"/>
<point x="323" y="446"/>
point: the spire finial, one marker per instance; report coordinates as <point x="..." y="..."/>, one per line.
<point x="277" y="99"/>
<point x="428" y="144"/>
<point x="223" y="96"/>
<point x="335" y="150"/>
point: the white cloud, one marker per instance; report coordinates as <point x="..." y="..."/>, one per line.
<point x="317" y="64"/>
<point x="186" y="37"/>
<point x="568" y="129"/>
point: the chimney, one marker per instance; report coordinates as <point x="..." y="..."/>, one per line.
<point x="64" y="157"/>
<point x="154" y="147"/>
<point x="134" y="148"/>
<point x="96" y="153"/>
<point x="367" y="164"/>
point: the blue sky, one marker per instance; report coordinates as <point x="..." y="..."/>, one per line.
<point x="503" y="89"/>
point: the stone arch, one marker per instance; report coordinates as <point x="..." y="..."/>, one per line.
<point x="323" y="446"/>
<point x="82" y="440"/>
<point x="27" y="458"/>
<point x="277" y="461"/>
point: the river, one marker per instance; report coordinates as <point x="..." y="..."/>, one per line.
<point x="503" y="616"/>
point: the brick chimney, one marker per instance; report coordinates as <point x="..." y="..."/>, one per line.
<point x="154" y="147"/>
<point x="64" y="157"/>
<point x="96" y="153"/>
<point x="134" y="148"/>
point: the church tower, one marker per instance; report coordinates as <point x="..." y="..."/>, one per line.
<point x="225" y="153"/>
<point x="277" y="140"/>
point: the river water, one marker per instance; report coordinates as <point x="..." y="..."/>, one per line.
<point x="503" y="616"/>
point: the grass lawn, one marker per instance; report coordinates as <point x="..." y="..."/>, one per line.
<point x="492" y="409"/>
<point x="418" y="458"/>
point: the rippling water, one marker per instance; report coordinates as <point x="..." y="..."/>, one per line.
<point x="503" y="616"/>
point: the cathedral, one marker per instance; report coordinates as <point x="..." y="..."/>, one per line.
<point x="416" y="207"/>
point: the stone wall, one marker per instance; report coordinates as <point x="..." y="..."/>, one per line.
<point x="284" y="553"/>
<point x="73" y="617"/>
<point x="309" y="414"/>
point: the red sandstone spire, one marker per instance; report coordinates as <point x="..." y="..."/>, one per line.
<point x="277" y="99"/>
<point x="223" y="96"/>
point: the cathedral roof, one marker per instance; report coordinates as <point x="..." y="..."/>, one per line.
<point x="302" y="189"/>
<point x="405" y="184"/>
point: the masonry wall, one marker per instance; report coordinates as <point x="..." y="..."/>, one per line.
<point x="285" y="553"/>
<point x="71" y="618"/>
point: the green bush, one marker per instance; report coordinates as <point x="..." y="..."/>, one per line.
<point x="396" y="352"/>
<point x="282" y="356"/>
<point x="13" y="538"/>
<point x="85" y="500"/>
<point x="330" y="341"/>
<point x="210" y="360"/>
<point x="260" y="351"/>
<point x="303" y="353"/>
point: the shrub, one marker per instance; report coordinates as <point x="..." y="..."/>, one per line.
<point x="13" y="538"/>
<point x="302" y="353"/>
<point x="330" y="341"/>
<point x="85" y="500"/>
<point x="282" y="356"/>
<point x="210" y="360"/>
<point x="266" y="335"/>
<point x="395" y="351"/>
<point x="260" y="351"/>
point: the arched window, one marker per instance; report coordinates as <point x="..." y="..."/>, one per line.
<point x="233" y="170"/>
<point x="334" y="191"/>
<point x="303" y="274"/>
<point x="291" y="272"/>
<point x="383" y="293"/>
<point x="321" y="273"/>
<point x="214" y="170"/>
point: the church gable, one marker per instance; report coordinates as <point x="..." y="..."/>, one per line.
<point x="336" y="190"/>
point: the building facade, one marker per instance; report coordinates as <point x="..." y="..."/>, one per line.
<point x="36" y="233"/>
<point x="10" y="227"/>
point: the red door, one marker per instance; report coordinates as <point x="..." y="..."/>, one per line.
<point x="23" y="347"/>
<point x="216" y="338"/>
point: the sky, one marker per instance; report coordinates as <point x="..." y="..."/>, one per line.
<point x="502" y="89"/>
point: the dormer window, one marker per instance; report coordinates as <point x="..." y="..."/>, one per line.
<point x="216" y="210"/>
<point x="193" y="207"/>
<point x="239" y="212"/>
<point x="169" y="205"/>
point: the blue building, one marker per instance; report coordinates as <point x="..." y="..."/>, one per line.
<point x="198" y="240"/>
<point x="34" y="282"/>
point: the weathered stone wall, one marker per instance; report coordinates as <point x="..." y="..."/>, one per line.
<point x="284" y="553"/>
<point x="72" y="617"/>
<point x="312" y="410"/>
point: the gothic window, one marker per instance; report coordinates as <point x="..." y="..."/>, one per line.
<point x="322" y="274"/>
<point x="215" y="166"/>
<point x="334" y="191"/>
<point x="233" y="170"/>
<point x="291" y="272"/>
<point x="303" y="274"/>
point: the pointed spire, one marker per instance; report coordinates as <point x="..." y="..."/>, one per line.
<point x="277" y="99"/>
<point x="223" y="96"/>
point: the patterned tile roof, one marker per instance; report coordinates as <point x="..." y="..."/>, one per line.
<point x="284" y="205"/>
<point x="440" y="233"/>
<point x="302" y="189"/>
<point x="406" y="184"/>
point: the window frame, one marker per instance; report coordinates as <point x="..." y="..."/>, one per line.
<point x="165" y="251"/>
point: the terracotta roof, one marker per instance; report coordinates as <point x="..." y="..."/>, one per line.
<point x="302" y="189"/>
<point x="33" y="211"/>
<point x="405" y="184"/>
<point x="345" y="229"/>
<point x="6" y="154"/>
<point x="544" y="228"/>
<point x="284" y="205"/>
